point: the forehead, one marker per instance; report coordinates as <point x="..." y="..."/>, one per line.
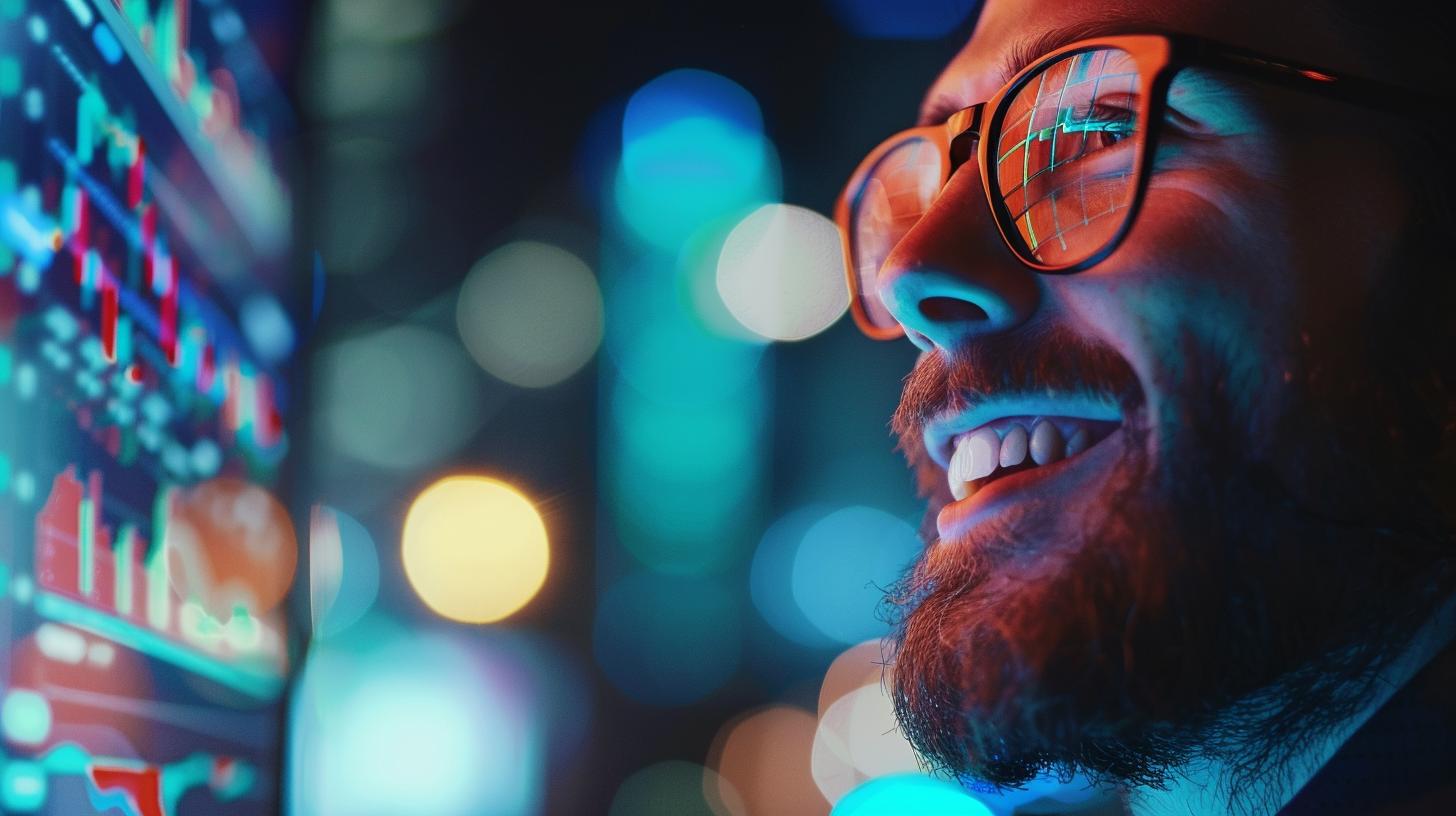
<point x="1295" y="29"/>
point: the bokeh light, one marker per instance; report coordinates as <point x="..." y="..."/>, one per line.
<point x="679" y="478"/>
<point x="857" y="739"/>
<point x="391" y="720"/>
<point x="674" y="788"/>
<point x="854" y="668"/>
<point x="844" y="565"/>
<point x="771" y="577"/>
<point x="343" y="571"/>
<point x="530" y="313"/>
<point x="230" y="545"/>
<point x="666" y="640"/>
<point x="909" y="793"/>
<point x="781" y="273"/>
<point x="764" y="757"/>
<point x="399" y="397"/>
<point x="902" y="19"/>
<point x="659" y="345"/>
<point x="692" y="152"/>
<point x="475" y="549"/>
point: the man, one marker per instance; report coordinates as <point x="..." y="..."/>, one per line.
<point x="1184" y="412"/>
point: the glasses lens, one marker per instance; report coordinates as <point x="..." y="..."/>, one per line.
<point x="1066" y="155"/>
<point x="896" y="192"/>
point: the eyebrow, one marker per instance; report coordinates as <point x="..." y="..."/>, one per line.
<point x="1022" y="53"/>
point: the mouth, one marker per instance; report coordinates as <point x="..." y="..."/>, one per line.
<point x="999" y="454"/>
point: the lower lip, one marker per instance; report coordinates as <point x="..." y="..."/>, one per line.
<point x="959" y="518"/>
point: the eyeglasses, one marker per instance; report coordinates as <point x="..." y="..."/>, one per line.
<point x="1063" y="151"/>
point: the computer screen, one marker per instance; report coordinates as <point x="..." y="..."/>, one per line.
<point x="148" y="327"/>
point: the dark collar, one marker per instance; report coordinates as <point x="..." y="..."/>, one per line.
<point x="1401" y="762"/>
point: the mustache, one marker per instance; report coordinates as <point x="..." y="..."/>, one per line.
<point x="1032" y="359"/>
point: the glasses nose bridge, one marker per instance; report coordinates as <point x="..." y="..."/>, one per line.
<point x="963" y="132"/>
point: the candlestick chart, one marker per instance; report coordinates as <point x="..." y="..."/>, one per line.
<point x="147" y="339"/>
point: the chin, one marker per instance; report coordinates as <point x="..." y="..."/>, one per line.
<point x="1108" y="616"/>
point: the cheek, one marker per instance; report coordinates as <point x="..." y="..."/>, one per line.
<point x="1200" y="300"/>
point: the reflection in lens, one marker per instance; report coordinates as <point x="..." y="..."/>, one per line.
<point x="898" y="190"/>
<point x="1066" y="154"/>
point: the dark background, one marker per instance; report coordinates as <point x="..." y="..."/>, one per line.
<point x="434" y="131"/>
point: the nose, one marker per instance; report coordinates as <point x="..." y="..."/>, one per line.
<point x="951" y="279"/>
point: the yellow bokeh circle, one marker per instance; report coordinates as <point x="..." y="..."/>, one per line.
<point x="474" y="548"/>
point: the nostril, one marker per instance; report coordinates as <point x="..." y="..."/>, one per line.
<point x="951" y="310"/>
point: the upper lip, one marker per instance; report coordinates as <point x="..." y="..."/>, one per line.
<point x="941" y="431"/>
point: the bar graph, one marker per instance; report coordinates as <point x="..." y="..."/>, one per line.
<point x="90" y="581"/>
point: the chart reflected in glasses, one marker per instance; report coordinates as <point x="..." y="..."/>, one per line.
<point x="1066" y="155"/>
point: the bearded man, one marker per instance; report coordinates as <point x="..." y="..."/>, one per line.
<point x="1184" y="410"/>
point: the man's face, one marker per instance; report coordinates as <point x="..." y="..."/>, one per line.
<point x="1235" y="425"/>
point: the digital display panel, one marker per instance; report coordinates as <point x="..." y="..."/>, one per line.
<point x="147" y="333"/>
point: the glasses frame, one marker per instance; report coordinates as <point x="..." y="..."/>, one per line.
<point x="1159" y="57"/>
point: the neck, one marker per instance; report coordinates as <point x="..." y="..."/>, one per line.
<point x="1206" y="787"/>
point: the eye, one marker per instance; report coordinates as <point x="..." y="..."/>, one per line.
<point x="1101" y="125"/>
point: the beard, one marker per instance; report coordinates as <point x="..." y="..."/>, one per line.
<point x="1222" y="593"/>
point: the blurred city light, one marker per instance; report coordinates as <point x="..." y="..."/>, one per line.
<point x="781" y="273"/>
<point x="530" y="313"/>
<point x="843" y="566"/>
<point x="771" y="577"/>
<point x="668" y="641"/>
<point x="854" y="668"/>
<point x="693" y="151"/>
<point x="857" y="739"/>
<point x="675" y="788"/>
<point x="399" y="397"/>
<point x="679" y="478"/>
<point x="343" y="571"/>
<point x="764" y="757"/>
<point x="474" y="549"/>
<point x="909" y="793"/>
<point x="902" y="19"/>
<point x="390" y="720"/>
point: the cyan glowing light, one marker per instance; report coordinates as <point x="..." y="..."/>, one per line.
<point x="25" y="717"/>
<point x="902" y="19"/>
<point x="908" y="793"/>
<point x="844" y="565"/>
<point x="400" y="397"/>
<point x="343" y="571"/>
<point x="667" y="640"/>
<point x="267" y="327"/>
<point x="771" y="577"/>
<point x="781" y="273"/>
<point x="392" y="721"/>
<point x="678" y="363"/>
<point x="23" y="786"/>
<point x="692" y="151"/>
<point x="675" y="788"/>
<point x="530" y="313"/>
<point x="679" y="478"/>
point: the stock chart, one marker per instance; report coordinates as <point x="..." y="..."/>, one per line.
<point x="148" y="324"/>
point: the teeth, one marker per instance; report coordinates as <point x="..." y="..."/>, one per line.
<point x="960" y="465"/>
<point x="1078" y="442"/>
<point x="1046" y="443"/>
<point x="979" y="453"/>
<point x="1013" y="447"/>
<point x="985" y="447"/>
